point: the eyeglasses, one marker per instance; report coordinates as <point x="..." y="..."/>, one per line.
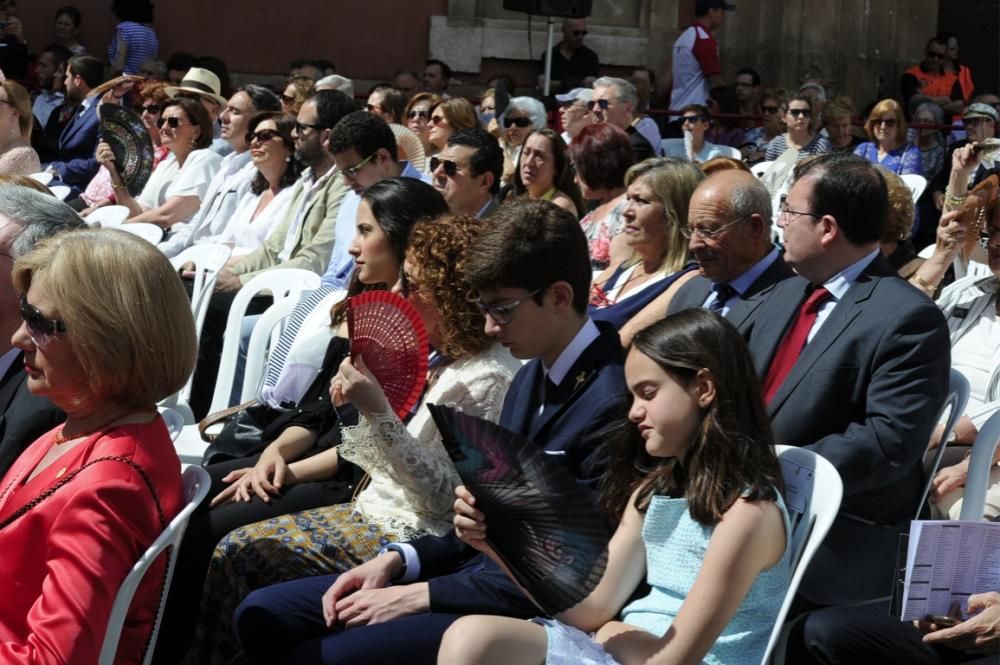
<point x="301" y="127"/>
<point x="520" y="122"/>
<point x="603" y="103"/>
<point x="449" y="166"/>
<point x="262" y="135"/>
<point x="418" y="114"/>
<point x="579" y="33"/>
<point x="150" y="108"/>
<point x="934" y="55"/>
<point x="693" y="118"/>
<point x="985" y="235"/>
<point x="173" y="122"/>
<point x="708" y="234"/>
<point x="40" y="329"/>
<point x="501" y="314"/>
<point x="785" y="213"/>
<point x="769" y="109"/>
<point x="888" y="122"/>
<point x="795" y="113"/>
<point x="352" y="171"/>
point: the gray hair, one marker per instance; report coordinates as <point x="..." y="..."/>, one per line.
<point x="531" y="107"/>
<point x="336" y="82"/>
<point x="624" y="89"/>
<point x="38" y="215"/>
<point x="933" y="109"/>
<point x="750" y="197"/>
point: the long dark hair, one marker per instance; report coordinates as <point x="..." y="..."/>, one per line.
<point x="397" y="204"/>
<point x="284" y="124"/>
<point x="562" y="171"/>
<point x="732" y="454"/>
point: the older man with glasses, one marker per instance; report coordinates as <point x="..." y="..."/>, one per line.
<point x="614" y="101"/>
<point x="467" y="173"/>
<point x="980" y="121"/>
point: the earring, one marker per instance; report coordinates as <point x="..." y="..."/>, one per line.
<point x="194" y="143"/>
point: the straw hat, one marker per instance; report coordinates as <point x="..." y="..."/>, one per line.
<point x="202" y="82"/>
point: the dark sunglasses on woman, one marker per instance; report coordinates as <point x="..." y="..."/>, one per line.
<point x="173" y="123"/>
<point x="40" y="329"/>
<point x="520" y="122"/>
<point x="418" y="114"/>
<point x="262" y="135"/>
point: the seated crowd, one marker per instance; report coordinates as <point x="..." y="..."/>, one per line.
<point x="647" y="310"/>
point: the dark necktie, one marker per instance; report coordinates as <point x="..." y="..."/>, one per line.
<point x="793" y="343"/>
<point x="723" y="292"/>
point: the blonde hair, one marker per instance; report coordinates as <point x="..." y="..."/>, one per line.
<point x="19" y="98"/>
<point x="887" y="106"/>
<point x="901" y="208"/>
<point x="126" y="313"/>
<point x="674" y="181"/>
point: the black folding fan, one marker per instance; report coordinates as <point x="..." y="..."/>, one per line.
<point x="541" y="521"/>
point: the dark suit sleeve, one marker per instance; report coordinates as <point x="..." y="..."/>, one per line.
<point x="441" y="555"/>
<point x="479" y="589"/>
<point x="909" y="381"/>
<point x="76" y="171"/>
<point x="586" y="454"/>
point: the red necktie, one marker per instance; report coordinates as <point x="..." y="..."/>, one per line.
<point x="793" y="343"/>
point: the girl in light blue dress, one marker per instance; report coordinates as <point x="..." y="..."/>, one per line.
<point x="704" y="522"/>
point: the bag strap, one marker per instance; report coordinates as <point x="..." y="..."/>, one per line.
<point x="220" y="416"/>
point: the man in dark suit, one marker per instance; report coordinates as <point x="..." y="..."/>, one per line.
<point x="855" y="367"/>
<point x="531" y="268"/>
<point x="729" y="227"/>
<point x="75" y="164"/>
<point x="26" y="217"/>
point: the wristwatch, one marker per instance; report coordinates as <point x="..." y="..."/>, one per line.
<point x="402" y="555"/>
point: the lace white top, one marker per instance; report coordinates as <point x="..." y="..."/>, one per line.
<point x="412" y="478"/>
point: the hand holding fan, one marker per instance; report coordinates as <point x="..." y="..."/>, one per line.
<point x="388" y="334"/>
<point x="541" y="521"/>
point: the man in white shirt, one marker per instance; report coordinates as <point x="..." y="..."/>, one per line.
<point x="233" y="178"/>
<point x="696" y="65"/>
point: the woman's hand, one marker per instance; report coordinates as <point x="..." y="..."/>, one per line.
<point x="355" y="384"/>
<point x="106" y="157"/>
<point x="948" y="479"/>
<point x="965" y="159"/>
<point x="950" y="234"/>
<point x="268" y="475"/>
<point x="470" y="522"/>
<point x="237" y="490"/>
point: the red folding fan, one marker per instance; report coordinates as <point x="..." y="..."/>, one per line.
<point x="387" y="333"/>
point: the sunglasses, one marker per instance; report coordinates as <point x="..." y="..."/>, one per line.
<point x="438" y="119"/>
<point x="40" y="329"/>
<point x="769" y="109"/>
<point x="301" y="127"/>
<point x="262" y="135"/>
<point x="694" y="118"/>
<point x="887" y="122"/>
<point x="579" y="33"/>
<point x="352" y="171"/>
<point x="519" y="122"/>
<point x="449" y="166"/>
<point x="149" y="108"/>
<point x="603" y="103"/>
<point x="172" y="123"/>
<point x="418" y="114"/>
<point x="795" y="113"/>
<point x="935" y="56"/>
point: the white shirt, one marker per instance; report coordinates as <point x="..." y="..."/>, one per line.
<point x="838" y="286"/>
<point x="690" y="86"/>
<point x="245" y="233"/>
<point x="169" y="179"/>
<point x="224" y="193"/>
<point x="46" y="102"/>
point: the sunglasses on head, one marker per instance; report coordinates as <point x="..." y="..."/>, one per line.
<point x="449" y="166"/>
<point x="149" y="108"/>
<point x="519" y="122"/>
<point x="262" y="135"/>
<point x="39" y="328"/>
<point x="173" y="122"/>
<point x="795" y="113"/>
<point x="418" y="114"/>
<point x="603" y="103"/>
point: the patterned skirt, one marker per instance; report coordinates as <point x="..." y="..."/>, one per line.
<point x="322" y="541"/>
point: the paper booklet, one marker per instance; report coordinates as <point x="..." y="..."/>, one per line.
<point x="946" y="562"/>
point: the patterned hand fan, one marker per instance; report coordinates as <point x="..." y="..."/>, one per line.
<point x="387" y="333"/>
<point x="541" y="521"/>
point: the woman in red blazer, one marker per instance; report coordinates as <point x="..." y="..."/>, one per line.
<point x="107" y="332"/>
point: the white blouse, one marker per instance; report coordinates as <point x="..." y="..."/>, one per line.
<point x="244" y="232"/>
<point x="413" y="479"/>
<point x="169" y="179"/>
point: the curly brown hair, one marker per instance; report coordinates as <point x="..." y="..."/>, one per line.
<point x="437" y="250"/>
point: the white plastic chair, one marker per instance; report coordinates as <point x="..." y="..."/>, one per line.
<point x="980" y="465"/>
<point x="265" y="333"/>
<point x="107" y="216"/>
<point x="196" y="486"/>
<point x="173" y="420"/>
<point x="43" y="177"/>
<point x="916" y="182"/>
<point x="60" y="191"/>
<point x="729" y="151"/>
<point x="151" y="233"/>
<point x="813" y="491"/>
<point x="958" y="398"/>
<point x="760" y="168"/>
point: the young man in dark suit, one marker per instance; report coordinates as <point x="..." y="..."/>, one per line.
<point x="855" y="365"/>
<point x="531" y="269"/>
<point x="75" y="164"/>
<point x="729" y="231"/>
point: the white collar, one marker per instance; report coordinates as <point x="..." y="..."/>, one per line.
<point x="584" y="338"/>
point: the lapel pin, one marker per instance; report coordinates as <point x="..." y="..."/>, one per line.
<point x="579" y="381"/>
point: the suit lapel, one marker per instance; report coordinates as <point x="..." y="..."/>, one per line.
<point x="77" y="122"/>
<point x="524" y="405"/>
<point x="11" y="381"/>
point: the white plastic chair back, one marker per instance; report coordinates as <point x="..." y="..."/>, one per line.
<point x="265" y="333"/>
<point x="281" y="283"/>
<point x="760" y="168"/>
<point x="151" y="233"/>
<point x="916" y="182"/>
<point x="107" y="216"/>
<point x="60" y="191"/>
<point x="729" y="151"/>
<point x="813" y="491"/>
<point x="196" y="486"/>
<point x="43" y="177"/>
<point x="958" y="397"/>
<point x="173" y="420"/>
<point x="980" y="465"/>
<point x="927" y="252"/>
